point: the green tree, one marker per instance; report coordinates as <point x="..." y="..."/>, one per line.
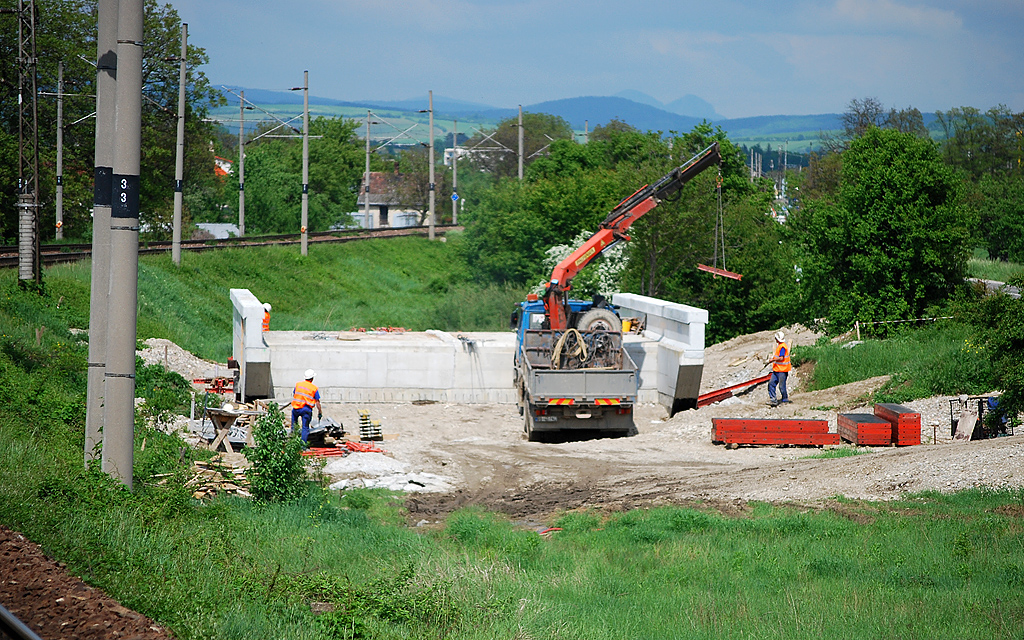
<point x="65" y="30"/>
<point x="1000" y="321"/>
<point x="896" y="239"/>
<point x="498" y="155"/>
<point x="277" y="471"/>
<point x="980" y="144"/>
<point x="273" y="179"/>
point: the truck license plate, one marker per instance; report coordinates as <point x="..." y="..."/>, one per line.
<point x="547" y="418"/>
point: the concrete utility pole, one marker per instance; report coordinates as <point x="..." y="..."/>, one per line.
<point x="29" y="266"/>
<point x="106" y="111"/>
<point x="455" y="172"/>
<point x="586" y="131"/>
<point x="179" y="158"/>
<point x="305" y="162"/>
<point x="430" y="233"/>
<point x="520" y="143"/>
<point x="60" y="151"/>
<point x="241" y="163"/>
<point x="119" y="422"/>
<point x="366" y="178"/>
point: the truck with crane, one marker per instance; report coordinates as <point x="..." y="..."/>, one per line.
<point x="571" y="371"/>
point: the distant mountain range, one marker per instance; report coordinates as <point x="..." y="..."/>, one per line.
<point x="633" y="107"/>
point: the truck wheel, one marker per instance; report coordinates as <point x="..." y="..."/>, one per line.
<point x="599" y="320"/>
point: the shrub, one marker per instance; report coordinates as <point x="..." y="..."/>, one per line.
<point x="277" y="472"/>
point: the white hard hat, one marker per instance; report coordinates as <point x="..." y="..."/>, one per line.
<point x="309" y="374"/>
<point x="266" y="305"/>
<point x="780" y="337"/>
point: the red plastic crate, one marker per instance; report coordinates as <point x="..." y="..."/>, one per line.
<point x="864" y="429"/>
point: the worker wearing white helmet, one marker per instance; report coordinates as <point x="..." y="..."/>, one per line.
<point x="304" y="397"/>
<point x="266" y="316"/>
<point x="780" y="371"/>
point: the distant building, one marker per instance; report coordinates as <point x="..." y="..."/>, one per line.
<point x="386" y="208"/>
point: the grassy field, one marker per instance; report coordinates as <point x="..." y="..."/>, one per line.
<point x="940" y="358"/>
<point x="927" y="566"/>
<point x="402" y="282"/>
<point x="997" y="270"/>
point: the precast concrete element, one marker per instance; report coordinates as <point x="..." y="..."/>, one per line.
<point x="354" y="366"/>
<point x="248" y="347"/>
<point x="675" y="333"/>
<point x="464" y="367"/>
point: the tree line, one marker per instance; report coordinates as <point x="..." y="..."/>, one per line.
<point x="66" y="32"/>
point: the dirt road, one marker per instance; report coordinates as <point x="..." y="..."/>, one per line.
<point x="481" y="451"/>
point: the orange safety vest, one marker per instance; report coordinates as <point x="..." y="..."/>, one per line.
<point x="784" y="365"/>
<point x="266" y="321"/>
<point x="305" y="394"/>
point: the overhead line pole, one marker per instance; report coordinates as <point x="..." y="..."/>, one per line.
<point x="305" y="162"/>
<point x="241" y="164"/>
<point x="106" y="111"/>
<point x="119" y="421"/>
<point x="179" y="158"/>
<point x="430" y="233"/>
<point x="60" y="151"/>
<point x="455" y="171"/>
<point x="366" y="179"/>
<point x="520" y="143"/>
<point x="29" y="265"/>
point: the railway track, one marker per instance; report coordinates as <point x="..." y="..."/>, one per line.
<point x="55" y="254"/>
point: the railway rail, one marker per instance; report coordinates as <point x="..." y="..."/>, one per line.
<point x="59" y="253"/>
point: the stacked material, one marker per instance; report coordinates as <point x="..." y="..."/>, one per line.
<point x="369" y="429"/>
<point x="224" y="473"/>
<point x="906" y="424"/>
<point x="865" y="429"/>
<point x="769" y="431"/>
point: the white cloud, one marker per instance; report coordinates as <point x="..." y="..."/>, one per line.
<point x="886" y="15"/>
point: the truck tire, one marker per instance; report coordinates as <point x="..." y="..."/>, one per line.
<point x="599" y="320"/>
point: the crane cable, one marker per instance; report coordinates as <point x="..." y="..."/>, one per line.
<point x="719" y="222"/>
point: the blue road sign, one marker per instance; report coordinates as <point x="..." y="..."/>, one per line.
<point x="455" y="197"/>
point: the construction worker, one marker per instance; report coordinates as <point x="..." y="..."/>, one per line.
<point x="780" y="370"/>
<point x="266" y="316"/>
<point x="304" y="397"/>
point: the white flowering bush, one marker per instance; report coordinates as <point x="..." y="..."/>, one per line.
<point x="603" y="275"/>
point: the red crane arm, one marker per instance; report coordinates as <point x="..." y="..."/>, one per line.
<point x="613" y="229"/>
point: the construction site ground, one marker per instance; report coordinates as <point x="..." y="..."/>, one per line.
<point x="448" y="456"/>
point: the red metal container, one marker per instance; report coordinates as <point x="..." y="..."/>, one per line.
<point x="771" y="431"/>
<point x="906" y="424"/>
<point x="864" y="429"/>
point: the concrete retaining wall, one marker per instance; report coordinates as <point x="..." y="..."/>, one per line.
<point x="464" y="368"/>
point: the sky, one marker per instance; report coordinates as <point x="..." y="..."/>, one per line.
<point x="787" y="57"/>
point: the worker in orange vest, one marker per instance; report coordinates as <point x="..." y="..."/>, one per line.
<point x="780" y="370"/>
<point x="266" y="316"/>
<point x="304" y="397"/>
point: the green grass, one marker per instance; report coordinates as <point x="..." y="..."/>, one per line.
<point x="927" y="566"/>
<point x="406" y="282"/>
<point x="941" y="358"/>
<point x="997" y="270"/>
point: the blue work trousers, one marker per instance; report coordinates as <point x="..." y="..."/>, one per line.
<point x="778" y="378"/>
<point x="305" y="414"/>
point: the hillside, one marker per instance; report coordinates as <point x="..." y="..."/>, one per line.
<point x="405" y="282"/>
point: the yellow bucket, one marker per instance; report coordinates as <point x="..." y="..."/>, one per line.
<point x="626" y="325"/>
